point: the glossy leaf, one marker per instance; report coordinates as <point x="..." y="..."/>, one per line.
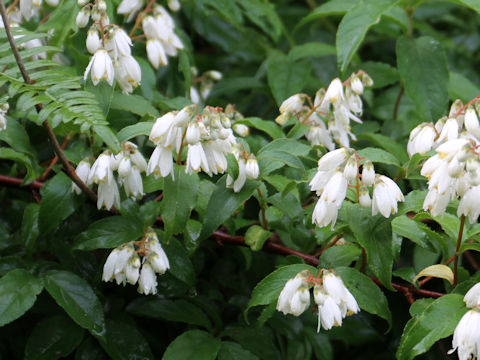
<point x="193" y="344"/>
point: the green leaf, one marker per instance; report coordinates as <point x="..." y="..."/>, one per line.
<point x="29" y="228"/>
<point x="268" y="290"/>
<point x="51" y="337"/>
<point x="259" y="342"/>
<point x="368" y="295"/>
<point x="374" y="234"/>
<point x="382" y="74"/>
<point x="125" y="342"/>
<point x="29" y="163"/>
<point x="109" y="233"/>
<point x="354" y="27"/>
<point x="77" y="298"/>
<point x="232" y="166"/>
<point x="180" y="196"/>
<point x="286" y="77"/>
<point x="180" y="265"/>
<point x="339" y="255"/>
<point x="281" y="152"/>
<point x="170" y="310"/>
<point x="129" y="132"/>
<point x="256" y="236"/>
<point x="108" y="136"/>
<point x="269" y="127"/>
<point x="333" y="7"/>
<point x="18" y="293"/>
<point x="16" y="136"/>
<point x="460" y="87"/>
<point x="435" y="321"/>
<point x="378" y="156"/>
<point x="234" y="351"/>
<point x="223" y="203"/>
<point x="473" y="4"/>
<point x="423" y="67"/>
<point x="135" y="104"/>
<point x="193" y="344"/>
<point x="312" y="49"/>
<point x="58" y="202"/>
<point x="263" y="15"/>
<point x="386" y="143"/>
<point x="410" y="229"/>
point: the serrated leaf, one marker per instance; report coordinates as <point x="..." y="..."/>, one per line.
<point x="135" y="104"/>
<point x="170" y="310"/>
<point x="180" y="196"/>
<point x="129" y="132"/>
<point x="223" y="203"/>
<point x="374" y="234"/>
<point x="438" y="270"/>
<point x="29" y="230"/>
<point x="109" y="233"/>
<point x="269" y="127"/>
<point x="180" y="265"/>
<point x="432" y="322"/>
<point x="268" y="290"/>
<point x="404" y="226"/>
<point x="354" y="27"/>
<point x="58" y="202"/>
<point x="422" y="64"/>
<point x="379" y="156"/>
<point x="16" y="136"/>
<point x="53" y="336"/>
<point x="193" y="344"/>
<point x="78" y="300"/>
<point x="339" y="255"/>
<point x="368" y="295"/>
<point x="286" y="77"/>
<point x="18" y="293"/>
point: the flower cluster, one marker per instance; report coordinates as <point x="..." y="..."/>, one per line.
<point x="129" y="163"/>
<point x="335" y="107"/>
<point x="454" y="171"/>
<point x="203" y="84"/>
<point x="110" y="46"/>
<point x="466" y="337"/>
<point x="124" y="263"/>
<point x="338" y="168"/>
<point x="332" y="298"/>
<point x="208" y="138"/>
<point x="161" y="38"/>
<point x="3" y="120"/>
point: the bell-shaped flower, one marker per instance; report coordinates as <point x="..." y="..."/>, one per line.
<point x="147" y="283"/>
<point x="101" y="67"/>
<point x="386" y="195"/>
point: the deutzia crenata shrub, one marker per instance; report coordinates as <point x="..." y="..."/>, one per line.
<point x="233" y="179"/>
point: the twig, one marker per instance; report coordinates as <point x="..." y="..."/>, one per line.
<point x="55" y="159"/>
<point x="68" y="167"/>
<point x="471" y="260"/>
<point x="459" y="242"/>
<point x="397" y="103"/>
<point x="139" y="17"/>
<point x="19" y="182"/>
<point x="262" y="205"/>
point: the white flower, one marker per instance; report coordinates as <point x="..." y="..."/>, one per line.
<point x="192" y="135"/>
<point x="3" y="121"/>
<point x="147" y="284"/>
<point x="83" y="17"/>
<point x="241" y="129"/>
<point x="386" y="194"/>
<point x="368" y="173"/>
<point x="101" y="170"/>
<point x="130" y="8"/>
<point x="133" y="183"/>
<point x="116" y="263"/>
<point x="325" y="213"/>
<point x="351" y="169"/>
<point x="472" y="297"/>
<point x="334" y="96"/>
<point x="128" y="73"/>
<point x="466" y="336"/>
<point x="102" y="67"/>
<point x="161" y="162"/>
<point x="334" y="286"/>
<point x="333" y="159"/>
<point x="82" y="171"/>
<point x="196" y="159"/>
<point x="469" y="205"/>
<point x="319" y="135"/>
<point x="118" y="43"/>
<point x="335" y="190"/>
<point x="364" y="197"/>
<point x="53" y="3"/>
<point x="132" y="270"/>
<point x="436" y="202"/>
<point x="329" y="313"/>
<point x="108" y="195"/>
<point x="156" y="27"/>
<point x="300" y="301"/>
<point x="157" y="257"/>
<point x="321" y="179"/>
<point x="293" y="104"/>
<point x="421" y="139"/>
<point x="283" y="118"/>
<point x="449" y="131"/>
<point x="174" y="5"/>
<point x="237" y="185"/>
<point x="164" y="132"/>
<point x="287" y="293"/>
<point x="93" y="40"/>
<point x="251" y="168"/>
<point x="357" y="85"/>
<point x="471" y="122"/>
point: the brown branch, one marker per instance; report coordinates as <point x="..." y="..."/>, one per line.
<point x="19" y="182"/>
<point x="397" y="103"/>
<point x="68" y="167"/>
<point x="55" y="159"/>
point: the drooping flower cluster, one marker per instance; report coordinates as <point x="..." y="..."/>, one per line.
<point x="3" y="120"/>
<point x="454" y="171"/>
<point x="329" y="115"/>
<point x="110" y="46"/>
<point x="203" y="84"/>
<point x="137" y="261"/>
<point x="208" y="138"/>
<point x="161" y="38"/>
<point x="466" y="337"/>
<point x="339" y="168"/>
<point x="334" y="301"/>
<point x="129" y="163"/>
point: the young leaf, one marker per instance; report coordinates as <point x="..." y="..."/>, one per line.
<point x="18" y="292"/>
<point x="435" y="321"/>
<point x="77" y="298"/>
<point x="438" y="271"/>
<point x="423" y="67"/>
<point x="193" y="344"/>
<point x="354" y="27"/>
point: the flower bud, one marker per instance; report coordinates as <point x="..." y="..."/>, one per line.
<point x="93" y="40"/>
<point x="174" y="5"/>
<point x="351" y="169"/>
<point x="83" y="17"/>
<point x="293" y="104"/>
<point x="368" y="173"/>
<point x="283" y="118"/>
<point x="53" y="3"/>
<point x="241" y="129"/>
<point x="357" y="85"/>
<point x="251" y="168"/>
<point x="364" y="197"/>
<point x="193" y="133"/>
<point x="82" y="2"/>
